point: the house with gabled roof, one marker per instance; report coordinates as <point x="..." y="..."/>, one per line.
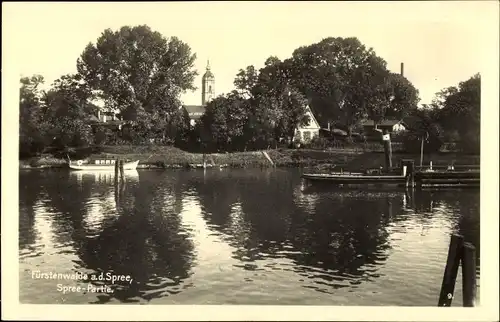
<point x="305" y="133"/>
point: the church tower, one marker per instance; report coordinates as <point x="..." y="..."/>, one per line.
<point x="207" y="86"/>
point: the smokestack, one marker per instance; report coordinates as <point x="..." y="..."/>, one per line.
<point x="402" y="69"/>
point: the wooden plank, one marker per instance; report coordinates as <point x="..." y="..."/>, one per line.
<point x="451" y="270"/>
<point x="469" y="275"/>
<point x="450" y="181"/>
<point x="462" y="185"/>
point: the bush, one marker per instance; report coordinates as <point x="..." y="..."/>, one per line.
<point x="470" y="143"/>
<point x="319" y="143"/>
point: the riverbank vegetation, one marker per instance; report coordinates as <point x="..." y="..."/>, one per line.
<point x="166" y="157"/>
<point x="140" y="74"/>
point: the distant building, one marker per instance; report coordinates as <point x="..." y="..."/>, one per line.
<point x="194" y="112"/>
<point x="307" y="132"/>
<point x="207" y="94"/>
<point x="107" y="116"/>
<point x="389" y="125"/>
<point x="207" y="86"/>
<point x="108" y="119"/>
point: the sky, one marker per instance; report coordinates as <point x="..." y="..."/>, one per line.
<point x="440" y="43"/>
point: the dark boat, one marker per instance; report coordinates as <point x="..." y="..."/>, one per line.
<point x="424" y="178"/>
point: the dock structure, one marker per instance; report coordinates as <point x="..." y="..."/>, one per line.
<point x="410" y="177"/>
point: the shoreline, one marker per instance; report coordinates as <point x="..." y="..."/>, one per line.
<point x="160" y="158"/>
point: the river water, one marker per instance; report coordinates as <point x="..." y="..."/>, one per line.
<point x="234" y="237"/>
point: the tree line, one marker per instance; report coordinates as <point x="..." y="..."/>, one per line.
<point x="142" y="74"/>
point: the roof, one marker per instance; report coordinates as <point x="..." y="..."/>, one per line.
<point x="208" y="74"/>
<point x="382" y="123"/>
<point x="92" y="118"/>
<point x="194" y="111"/>
<point x="313" y="123"/>
<point x="109" y="123"/>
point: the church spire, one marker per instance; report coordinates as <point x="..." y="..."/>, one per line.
<point x="207" y="85"/>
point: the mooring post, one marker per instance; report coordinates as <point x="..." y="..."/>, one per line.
<point x="469" y="275"/>
<point x="122" y="175"/>
<point x="386" y="137"/>
<point x="411" y="171"/>
<point x="450" y="273"/>
<point x="409" y="174"/>
<point x="116" y="170"/>
<point x="117" y="195"/>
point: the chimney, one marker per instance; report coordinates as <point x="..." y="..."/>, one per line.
<point x="402" y="69"/>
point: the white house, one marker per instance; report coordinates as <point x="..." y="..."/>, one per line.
<point x="107" y="116"/>
<point x="307" y="132"/>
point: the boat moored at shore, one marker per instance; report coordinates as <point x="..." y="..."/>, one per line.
<point x="101" y="165"/>
<point x="408" y="178"/>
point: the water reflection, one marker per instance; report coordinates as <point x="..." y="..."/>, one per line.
<point x="217" y="229"/>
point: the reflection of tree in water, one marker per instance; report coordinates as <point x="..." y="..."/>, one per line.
<point x="223" y="208"/>
<point x="331" y="238"/>
<point x="218" y="192"/>
<point x="29" y="194"/>
<point x="465" y="214"/>
<point x="338" y="240"/>
<point x="346" y="236"/>
<point x="144" y="241"/>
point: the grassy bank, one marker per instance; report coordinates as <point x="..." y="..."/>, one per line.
<point x="169" y="157"/>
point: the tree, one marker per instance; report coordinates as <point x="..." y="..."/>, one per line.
<point x="396" y="98"/>
<point x="276" y="106"/>
<point x="141" y="73"/>
<point x="31" y="108"/>
<point x="246" y="80"/>
<point x="423" y="125"/>
<point x="223" y="123"/>
<point x="69" y="112"/>
<point x="460" y="111"/>
<point x="346" y="82"/>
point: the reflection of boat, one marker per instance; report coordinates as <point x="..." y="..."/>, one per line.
<point x="356" y="179"/>
<point x="107" y="165"/>
<point x="352" y="190"/>
<point x="105" y="177"/>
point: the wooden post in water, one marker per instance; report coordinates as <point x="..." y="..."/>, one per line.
<point x="469" y="275"/>
<point x="122" y="174"/>
<point x="410" y="172"/>
<point x="386" y="137"/>
<point x="117" y="161"/>
<point x="117" y="194"/>
<point x="422" y="152"/>
<point x="451" y="270"/>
